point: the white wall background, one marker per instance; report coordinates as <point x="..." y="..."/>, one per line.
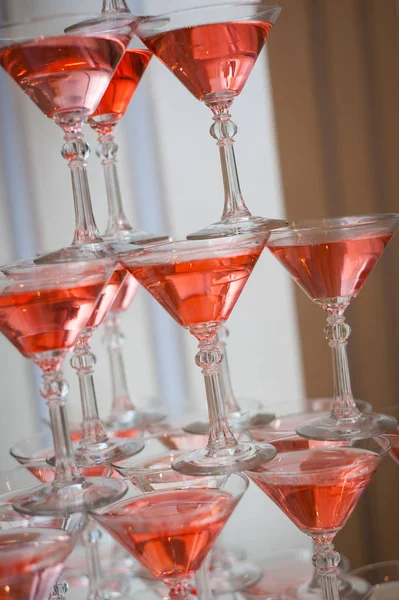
<point x="170" y="175"/>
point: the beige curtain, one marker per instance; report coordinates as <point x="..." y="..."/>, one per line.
<point x="335" y="78"/>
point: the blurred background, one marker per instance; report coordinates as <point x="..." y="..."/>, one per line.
<point x="317" y="132"/>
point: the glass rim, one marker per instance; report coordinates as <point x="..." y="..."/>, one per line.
<point x="111" y="17"/>
<point x="384" y="451"/>
<point x="139" y="467"/>
<point x="333" y="224"/>
<point x="171" y="252"/>
<point x="266" y="7"/>
<point x="194" y="479"/>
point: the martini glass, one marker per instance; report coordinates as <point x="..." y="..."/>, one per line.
<point x="55" y="538"/>
<point x="42" y="313"/>
<point x="240" y="419"/>
<point x="318" y="488"/>
<point x="34" y="453"/>
<point x="18" y="479"/>
<point x="330" y="259"/>
<point x="64" y="63"/>
<point x="123" y="416"/>
<point x="224" y="571"/>
<point x="212" y="50"/>
<point x="171" y="521"/>
<point x="198" y="284"/>
<point x="95" y="447"/>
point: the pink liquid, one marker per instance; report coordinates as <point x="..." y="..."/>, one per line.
<point x="182" y="441"/>
<point x="212" y="59"/>
<point x="198" y="291"/>
<point x="38" y="320"/>
<point x="65" y="73"/>
<point x="30" y="561"/>
<point x="332" y="269"/>
<point x="125" y="295"/>
<point x="316" y="489"/>
<point x="107" y="298"/>
<point x="122" y="86"/>
<point x="170" y="532"/>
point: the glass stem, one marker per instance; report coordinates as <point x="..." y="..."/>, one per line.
<point x="114" y="339"/>
<point x="209" y="357"/>
<point x="231" y="405"/>
<point x="76" y="151"/>
<point x="178" y="590"/>
<point x="91" y="540"/>
<point x="107" y="151"/>
<point x="224" y="130"/>
<point x="115" y="6"/>
<point x="54" y="390"/>
<point x="337" y="332"/>
<point x="83" y="361"/>
<point x="202" y="582"/>
<point x="60" y="589"/>
<point x="326" y="561"/>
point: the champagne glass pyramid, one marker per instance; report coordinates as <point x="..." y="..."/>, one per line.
<point x="124" y="417"/>
<point x="318" y="489"/>
<point x="64" y="63"/>
<point x="330" y="259"/>
<point x="171" y="521"/>
<point x="42" y="313"/>
<point x="212" y="50"/>
<point x="198" y="283"/>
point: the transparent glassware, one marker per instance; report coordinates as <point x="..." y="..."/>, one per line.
<point x="211" y="50"/>
<point x="229" y="570"/>
<point x="383" y="576"/>
<point x="54" y="537"/>
<point x="34" y="453"/>
<point x="324" y="483"/>
<point x="239" y="418"/>
<point x="193" y="505"/>
<point x="64" y="63"/>
<point x="95" y="446"/>
<point x="198" y="283"/>
<point x="42" y="313"/>
<point x="326" y="404"/>
<point x="393" y="433"/>
<point x="124" y="416"/>
<point x="330" y="259"/>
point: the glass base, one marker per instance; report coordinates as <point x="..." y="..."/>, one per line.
<point x="113" y="450"/>
<point x="230" y="573"/>
<point x="241" y="457"/>
<point x="230" y="226"/>
<point x="79" y="252"/>
<point x="329" y="429"/>
<point x="126" y="423"/>
<point x="80" y="495"/>
<point x="238" y="421"/>
<point x="349" y="587"/>
<point x="132" y="236"/>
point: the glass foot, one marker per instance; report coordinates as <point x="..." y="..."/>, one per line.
<point x="132" y="236"/>
<point x="80" y="495"/>
<point x="130" y="423"/>
<point x="113" y="450"/>
<point x="238" y="421"/>
<point x="236" y="226"/>
<point x="223" y="462"/>
<point x="327" y="428"/>
<point x="230" y="573"/>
